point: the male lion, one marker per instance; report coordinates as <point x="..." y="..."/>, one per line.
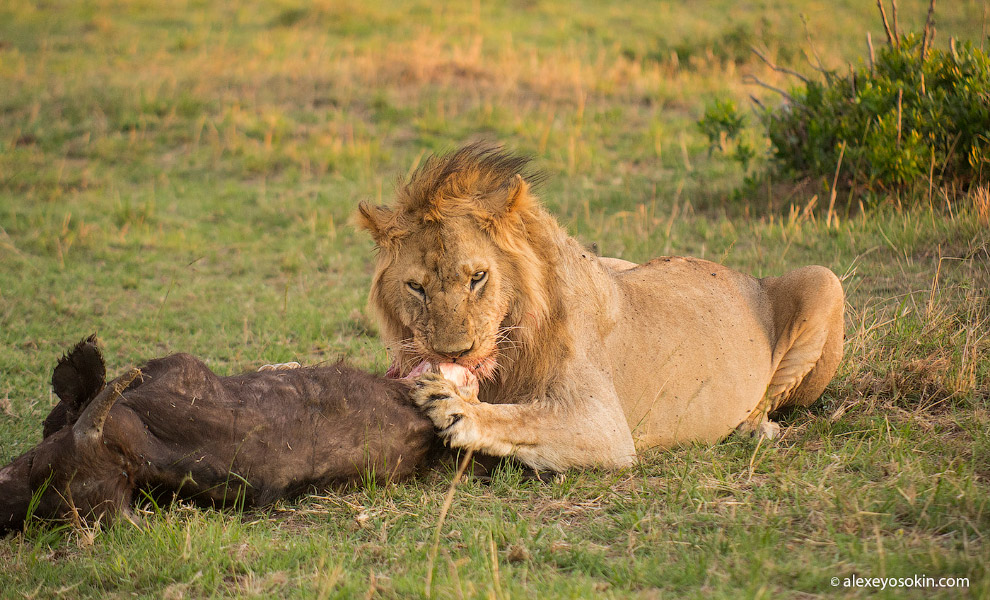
<point x="581" y="359"/>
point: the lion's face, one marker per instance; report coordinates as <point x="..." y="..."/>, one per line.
<point x="449" y="290"/>
<point x="464" y="261"/>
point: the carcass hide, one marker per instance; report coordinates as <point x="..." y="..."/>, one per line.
<point x="173" y="427"/>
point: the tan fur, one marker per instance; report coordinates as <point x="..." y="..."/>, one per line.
<point x="582" y="359"/>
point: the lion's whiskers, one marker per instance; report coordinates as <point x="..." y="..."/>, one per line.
<point x="503" y="336"/>
<point x="508" y="328"/>
<point x="406" y="349"/>
<point x="502" y="364"/>
<point x="508" y="343"/>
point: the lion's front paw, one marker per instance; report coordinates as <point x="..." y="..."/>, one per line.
<point x="442" y="401"/>
<point x="279" y="367"/>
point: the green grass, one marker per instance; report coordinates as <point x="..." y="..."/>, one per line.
<point x="180" y="177"/>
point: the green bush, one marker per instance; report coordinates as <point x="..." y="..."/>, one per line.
<point x="723" y="126"/>
<point x="897" y="125"/>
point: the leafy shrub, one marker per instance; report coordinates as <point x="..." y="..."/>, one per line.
<point x="905" y="120"/>
<point x="723" y="126"/>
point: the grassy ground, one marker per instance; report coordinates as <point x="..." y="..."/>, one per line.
<point x="180" y="176"/>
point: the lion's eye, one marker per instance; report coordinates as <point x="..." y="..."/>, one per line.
<point x="415" y="288"/>
<point x="478" y="278"/>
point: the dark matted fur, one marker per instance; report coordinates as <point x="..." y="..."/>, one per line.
<point x="181" y="429"/>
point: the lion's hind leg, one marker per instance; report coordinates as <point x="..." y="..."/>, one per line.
<point x="808" y="309"/>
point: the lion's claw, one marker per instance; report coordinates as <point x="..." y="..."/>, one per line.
<point x="441" y="401"/>
<point x="455" y="419"/>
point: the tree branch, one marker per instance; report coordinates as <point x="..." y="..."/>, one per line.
<point x="757" y="81"/>
<point x="869" y="44"/>
<point x="886" y="27"/>
<point x="778" y="68"/>
<point x="928" y="37"/>
<point x="811" y="44"/>
<point x="897" y="35"/>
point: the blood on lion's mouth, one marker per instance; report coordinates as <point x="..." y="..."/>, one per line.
<point x="459" y="375"/>
<point x="485" y="368"/>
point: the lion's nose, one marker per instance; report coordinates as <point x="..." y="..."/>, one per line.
<point x="454" y="351"/>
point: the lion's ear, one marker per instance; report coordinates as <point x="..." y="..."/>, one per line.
<point x="506" y="212"/>
<point x="379" y="221"/>
<point x="517" y="200"/>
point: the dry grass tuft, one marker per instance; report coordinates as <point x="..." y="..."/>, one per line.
<point x="920" y="381"/>
<point x="924" y="351"/>
<point x="981" y="203"/>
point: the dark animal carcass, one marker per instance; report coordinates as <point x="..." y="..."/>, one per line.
<point x="174" y="427"/>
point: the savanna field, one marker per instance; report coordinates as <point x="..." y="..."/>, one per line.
<point x="181" y="176"/>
